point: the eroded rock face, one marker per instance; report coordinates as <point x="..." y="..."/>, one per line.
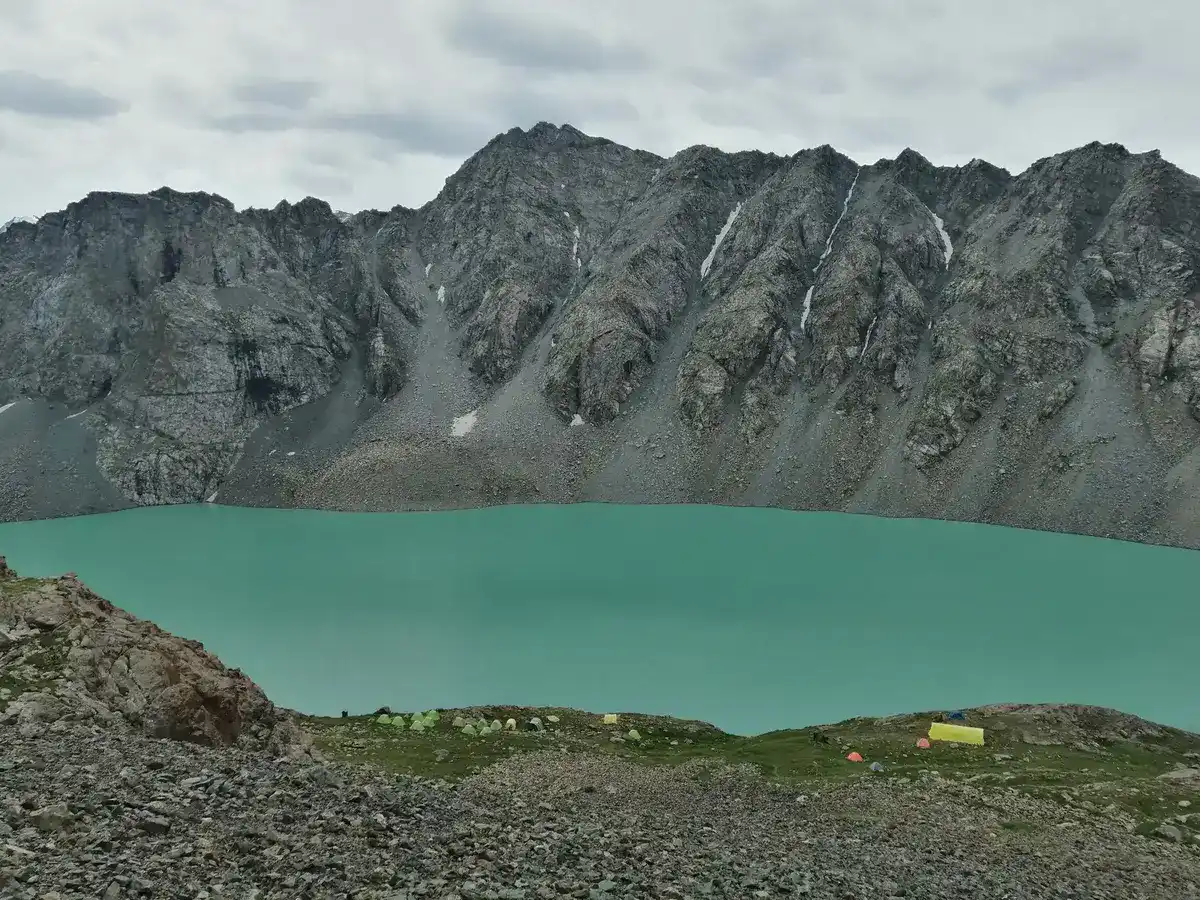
<point x="183" y="324"/>
<point x="609" y="338"/>
<point x="69" y="654"/>
<point x="803" y="331"/>
<point x="507" y="239"/>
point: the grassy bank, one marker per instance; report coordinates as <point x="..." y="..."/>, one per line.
<point x="1090" y="762"/>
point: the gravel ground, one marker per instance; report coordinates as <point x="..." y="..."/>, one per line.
<point x="92" y="812"/>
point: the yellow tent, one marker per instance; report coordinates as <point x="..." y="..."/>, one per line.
<point x="959" y="734"/>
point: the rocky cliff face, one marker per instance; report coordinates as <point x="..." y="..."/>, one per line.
<point x="176" y="325"/>
<point x="572" y="319"/>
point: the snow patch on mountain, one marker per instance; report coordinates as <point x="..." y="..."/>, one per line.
<point x="463" y="424"/>
<point x="828" y="249"/>
<point x="29" y="220"/>
<point x="845" y="207"/>
<point x="867" y="342"/>
<point x="708" y="260"/>
<point x="946" y="243"/>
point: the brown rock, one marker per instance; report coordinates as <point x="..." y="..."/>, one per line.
<point x="124" y="667"/>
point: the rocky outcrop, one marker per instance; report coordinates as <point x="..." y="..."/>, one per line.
<point x="609" y="338"/>
<point x="508" y="237"/>
<point x="180" y="324"/>
<point x="68" y="654"/>
<point x="805" y="331"/>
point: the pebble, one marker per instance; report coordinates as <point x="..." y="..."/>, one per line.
<point x="540" y="825"/>
<point x="1169" y="832"/>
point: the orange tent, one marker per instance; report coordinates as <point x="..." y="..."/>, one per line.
<point x="855" y="757"/>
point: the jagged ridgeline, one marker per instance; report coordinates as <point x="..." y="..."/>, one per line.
<point x="570" y="319"/>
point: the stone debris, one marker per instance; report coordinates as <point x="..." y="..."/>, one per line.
<point x="85" y="807"/>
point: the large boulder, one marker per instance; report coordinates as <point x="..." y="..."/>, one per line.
<point x="69" y="653"/>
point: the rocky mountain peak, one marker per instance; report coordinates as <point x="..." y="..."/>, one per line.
<point x="100" y="204"/>
<point x="543" y="137"/>
<point x="913" y="169"/>
<point x="933" y="329"/>
<point x="170" y="195"/>
<point x="910" y="158"/>
<point x="310" y="209"/>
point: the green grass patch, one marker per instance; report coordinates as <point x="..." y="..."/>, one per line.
<point x="1087" y="776"/>
<point x="1018" y="826"/>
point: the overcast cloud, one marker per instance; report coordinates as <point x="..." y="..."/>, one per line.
<point x="369" y="103"/>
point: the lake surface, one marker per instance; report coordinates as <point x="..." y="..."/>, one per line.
<point x="753" y="619"/>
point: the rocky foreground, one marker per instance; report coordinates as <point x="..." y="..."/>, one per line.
<point x="133" y="764"/>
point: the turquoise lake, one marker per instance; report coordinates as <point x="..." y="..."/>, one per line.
<point x="753" y="619"/>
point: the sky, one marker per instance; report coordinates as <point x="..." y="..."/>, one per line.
<point x="370" y="103"/>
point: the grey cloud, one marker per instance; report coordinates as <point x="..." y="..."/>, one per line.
<point x="829" y="84"/>
<point x="725" y="111"/>
<point x="734" y="109"/>
<point x="1008" y="82"/>
<point x="415" y="132"/>
<point x="33" y="95"/>
<point x="704" y="79"/>
<point x="777" y="53"/>
<point x="579" y="108"/>
<point x="1068" y="62"/>
<point x="404" y="130"/>
<point x="328" y="158"/>
<point x="245" y="123"/>
<point x="483" y="30"/>
<point x="20" y="15"/>
<point x="911" y="81"/>
<point x="321" y="182"/>
<point x="294" y="94"/>
<point x="872" y="130"/>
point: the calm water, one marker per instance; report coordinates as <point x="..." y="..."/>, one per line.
<point x="749" y="618"/>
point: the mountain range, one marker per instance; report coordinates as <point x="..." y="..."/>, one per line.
<point x="571" y="319"/>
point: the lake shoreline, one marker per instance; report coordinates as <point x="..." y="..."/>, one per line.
<point x="1139" y="539"/>
<point x="668" y="609"/>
